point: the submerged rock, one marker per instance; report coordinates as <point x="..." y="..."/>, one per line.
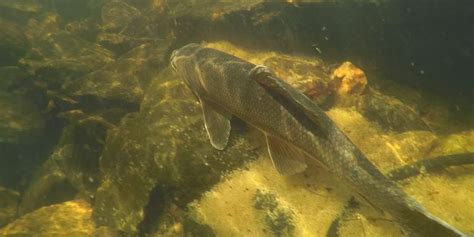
<point x="41" y="28"/>
<point x="117" y="14"/>
<point x="348" y="79"/>
<point x="8" y="205"/>
<point x="22" y="5"/>
<point x="390" y="113"/>
<point x="12" y="78"/>
<point x="66" y="219"/>
<point x="462" y="142"/>
<point x="308" y="75"/>
<point x="73" y="168"/>
<point x="121" y="83"/>
<point x="13" y="43"/>
<point x="160" y="156"/>
<point x="59" y="57"/>
<point x="20" y="119"/>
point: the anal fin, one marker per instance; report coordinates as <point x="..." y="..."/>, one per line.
<point x="217" y="125"/>
<point x="286" y="158"/>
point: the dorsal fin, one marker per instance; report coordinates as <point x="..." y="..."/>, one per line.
<point x="217" y="125"/>
<point x="266" y="78"/>
<point x="286" y="158"/>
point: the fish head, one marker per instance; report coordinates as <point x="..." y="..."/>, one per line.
<point x="185" y="55"/>
<point x="184" y="63"/>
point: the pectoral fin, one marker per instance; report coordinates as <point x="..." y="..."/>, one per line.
<point x="286" y="158"/>
<point x="217" y="124"/>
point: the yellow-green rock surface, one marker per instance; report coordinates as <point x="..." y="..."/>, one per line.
<point x="71" y="218"/>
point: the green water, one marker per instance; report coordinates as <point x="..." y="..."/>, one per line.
<point x="100" y="137"/>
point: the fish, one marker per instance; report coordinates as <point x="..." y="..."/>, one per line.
<point x="295" y="130"/>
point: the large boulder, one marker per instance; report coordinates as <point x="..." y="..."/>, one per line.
<point x="21" y="5"/>
<point x="66" y="219"/>
<point x="8" y="205"/>
<point x="58" y="57"/>
<point x="160" y="157"/>
<point x="121" y="83"/>
<point x="12" y="78"/>
<point x="13" y="42"/>
<point x="72" y="170"/>
<point x="20" y="119"/>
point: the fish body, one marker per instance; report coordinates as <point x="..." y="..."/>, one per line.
<point x="294" y="128"/>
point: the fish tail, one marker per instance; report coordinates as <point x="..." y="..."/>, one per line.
<point x="423" y="223"/>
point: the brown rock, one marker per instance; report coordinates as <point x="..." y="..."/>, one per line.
<point x="71" y="218"/>
<point x="348" y="79"/>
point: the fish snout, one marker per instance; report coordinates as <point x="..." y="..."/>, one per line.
<point x="173" y="54"/>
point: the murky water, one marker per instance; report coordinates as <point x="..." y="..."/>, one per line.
<point x="99" y="136"/>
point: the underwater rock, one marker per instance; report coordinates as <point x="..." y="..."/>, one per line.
<point x="59" y="57"/>
<point x="73" y="168"/>
<point x="66" y="219"/>
<point x="278" y="220"/>
<point x="205" y="9"/>
<point x="258" y="201"/>
<point x="348" y="79"/>
<point x="309" y="76"/>
<point x="121" y="33"/>
<point x="121" y="83"/>
<point x="41" y="28"/>
<point x="8" y="205"/>
<point x="390" y="113"/>
<point x="22" y="5"/>
<point x="116" y="15"/>
<point x="12" y="78"/>
<point x="20" y="119"/>
<point x="87" y="29"/>
<point x="160" y="155"/>
<point x="462" y="142"/>
<point x="385" y="149"/>
<point x="48" y="186"/>
<point x="410" y="146"/>
<point x="13" y="43"/>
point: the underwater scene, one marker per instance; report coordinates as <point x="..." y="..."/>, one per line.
<point x="229" y="118"/>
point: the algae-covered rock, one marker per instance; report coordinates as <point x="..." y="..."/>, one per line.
<point x="308" y="75"/>
<point x="13" y="42"/>
<point x="8" y="205"/>
<point x="348" y="79"/>
<point x="86" y="28"/>
<point x="66" y="219"/>
<point x="206" y="8"/>
<point x="410" y="146"/>
<point x="48" y="186"/>
<point x="122" y="82"/>
<point x="462" y="142"/>
<point x="117" y="14"/>
<point x="260" y="202"/>
<point x="390" y="113"/>
<point x="21" y="5"/>
<point x="72" y="169"/>
<point x="160" y="155"/>
<point x="11" y="78"/>
<point x="41" y="28"/>
<point x="61" y="56"/>
<point x="20" y="119"/>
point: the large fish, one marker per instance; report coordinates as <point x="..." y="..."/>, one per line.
<point x="294" y="127"/>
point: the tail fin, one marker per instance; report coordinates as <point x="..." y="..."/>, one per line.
<point x="423" y="223"/>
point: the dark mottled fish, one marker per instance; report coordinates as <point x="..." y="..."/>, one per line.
<point x="294" y="127"/>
